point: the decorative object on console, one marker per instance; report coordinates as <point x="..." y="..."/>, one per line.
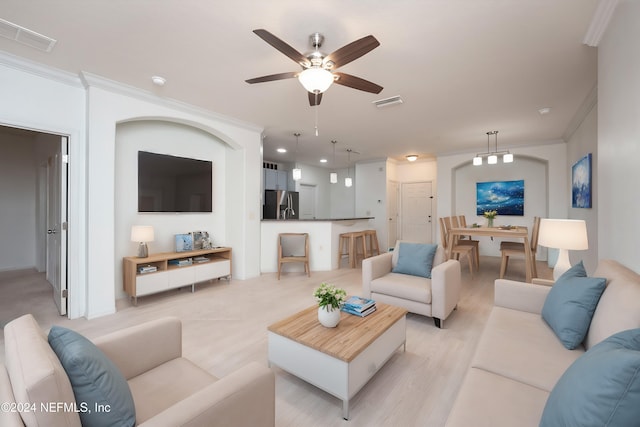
<point x="142" y="234"/>
<point x="505" y="197"/>
<point x="565" y="235"/>
<point x="581" y="183"/>
<point x="329" y="299"/>
<point x="201" y="240"/>
<point x="184" y="242"/>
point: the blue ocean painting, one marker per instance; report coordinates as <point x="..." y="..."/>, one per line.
<point x="506" y="197"/>
<point x="581" y="183"/>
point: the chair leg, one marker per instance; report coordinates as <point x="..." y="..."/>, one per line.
<point x="534" y="269"/>
<point x="503" y="265"/>
<point x="308" y="269"/>
<point x="279" y="269"/>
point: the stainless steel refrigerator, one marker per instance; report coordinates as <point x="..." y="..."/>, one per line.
<point x="280" y="204"/>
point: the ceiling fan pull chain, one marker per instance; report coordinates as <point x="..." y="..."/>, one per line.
<point x="316" y="107"/>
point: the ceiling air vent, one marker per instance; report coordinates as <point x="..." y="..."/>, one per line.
<point x="388" y="101"/>
<point x="26" y="36"/>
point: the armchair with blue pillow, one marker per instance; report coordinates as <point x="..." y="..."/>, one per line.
<point x="416" y="277"/>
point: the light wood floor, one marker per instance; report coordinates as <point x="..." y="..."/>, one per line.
<point x="225" y="326"/>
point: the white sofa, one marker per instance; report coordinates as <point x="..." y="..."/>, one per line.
<point x="436" y="297"/>
<point x="519" y="359"/>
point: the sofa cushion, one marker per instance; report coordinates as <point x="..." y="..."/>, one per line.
<point x="619" y="306"/>
<point x="96" y="381"/>
<point x="520" y="346"/>
<point x="490" y="400"/>
<point x="570" y="305"/>
<point x="37" y="377"/>
<point x="415" y="259"/>
<point x="164" y="386"/>
<point x="601" y="388"/>
<point x="404" y="286"/>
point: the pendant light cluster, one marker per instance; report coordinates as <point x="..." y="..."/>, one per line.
<point x="492" y="156"/>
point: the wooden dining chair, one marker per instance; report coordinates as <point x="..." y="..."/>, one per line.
<point x="509" y="249"/>
<point x="293" y="247"/>
<point x="456" y="250"/>
<point x="461" y="221"/>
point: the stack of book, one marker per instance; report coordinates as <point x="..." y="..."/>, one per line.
<point x="359" y="306"/>
<point x="147" y="269"/>
<point x="200" y="259"/>
<point x="181" y="262"/>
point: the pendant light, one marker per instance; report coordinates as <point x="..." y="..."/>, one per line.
<point x="297" y="172"/>
<point x="492" y="156"/>
<point x="333" y="176"/>
<point x="348" y="182"/>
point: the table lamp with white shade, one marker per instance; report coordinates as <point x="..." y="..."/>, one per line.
<point x="565" y="235"/>
<point x="142" y="234"/>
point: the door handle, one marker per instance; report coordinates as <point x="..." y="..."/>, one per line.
<point x="52" y="231"/>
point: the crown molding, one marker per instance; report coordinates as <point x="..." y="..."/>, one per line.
<point x="37" y="69"/>
<point x="599" y="22"/>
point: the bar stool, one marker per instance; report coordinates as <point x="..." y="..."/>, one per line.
<point x="348" y="245"/>
<point x="372" y="242"/>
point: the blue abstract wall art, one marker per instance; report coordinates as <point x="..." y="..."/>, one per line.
<point x="581" y="183"/>
<point x="506" y="197"/>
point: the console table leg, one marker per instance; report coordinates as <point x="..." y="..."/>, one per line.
<point x="345" y="410"/>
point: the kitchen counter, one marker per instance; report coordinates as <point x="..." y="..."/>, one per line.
<point x="324" y="236"/>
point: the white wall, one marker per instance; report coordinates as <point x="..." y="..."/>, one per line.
<point x="161" y="137"/>
<point x="371" y="196"/>
<point x="619" y="136"/>
<point x="319" y="178"/>
<point x="583" y="141"/>
<point x="17" y="202"/>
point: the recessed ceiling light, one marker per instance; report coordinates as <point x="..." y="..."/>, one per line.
<point x="281" y="150"/>
<point x="545" y="110"/>
<point x="323" y="160"/>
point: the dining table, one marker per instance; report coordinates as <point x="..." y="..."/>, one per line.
<point x="509" y="232"/>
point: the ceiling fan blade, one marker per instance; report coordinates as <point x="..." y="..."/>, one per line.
<point x="272" y="77"/>
<point x="314" y="98"/>
<point x="356" y="83"/>
<point x="352" y="51"/>
<point x="283" y="47"/>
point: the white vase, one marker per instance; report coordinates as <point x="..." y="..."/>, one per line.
<point x="328" y="316"/>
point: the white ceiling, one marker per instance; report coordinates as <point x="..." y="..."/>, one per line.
<point x="462" y="67"/>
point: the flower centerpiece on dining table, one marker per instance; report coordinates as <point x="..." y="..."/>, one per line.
<point x="330" y="300"/>
<point x="490" y="215"/>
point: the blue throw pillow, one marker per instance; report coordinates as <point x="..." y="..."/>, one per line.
<point x="102" y="393"/>
<point x="601" y="388"/>
<point x="415" y="259"/>
<point x="570" y="304"/>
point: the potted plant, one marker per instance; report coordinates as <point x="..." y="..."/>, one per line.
<point x="330" y="300"/>
<point x="490" y="215"/>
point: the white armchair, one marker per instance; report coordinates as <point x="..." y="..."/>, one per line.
<point x="436" y="297"/>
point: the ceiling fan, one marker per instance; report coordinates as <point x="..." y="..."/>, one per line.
<point x="318" y="70"/>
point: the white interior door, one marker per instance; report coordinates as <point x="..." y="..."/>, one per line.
<point x="307" y="202"/>
<point x="416" y="212"/>
<point x="56" y="258"/>
<point x="393" y="190"/>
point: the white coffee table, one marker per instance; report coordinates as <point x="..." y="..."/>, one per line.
<point x="337" y="360"/>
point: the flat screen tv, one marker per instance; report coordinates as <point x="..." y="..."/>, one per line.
<point x="173" y="184"/>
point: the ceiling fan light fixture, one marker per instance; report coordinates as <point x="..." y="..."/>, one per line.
<point x="315" y="79"/>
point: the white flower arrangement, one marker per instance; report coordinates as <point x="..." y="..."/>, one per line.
<point x="329" y="295"/>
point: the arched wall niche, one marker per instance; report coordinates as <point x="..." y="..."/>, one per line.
<point x="533" y="170"/>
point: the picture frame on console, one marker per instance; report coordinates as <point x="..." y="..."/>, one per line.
<point x="201" y="240"/>
<point x="184" y="242"/>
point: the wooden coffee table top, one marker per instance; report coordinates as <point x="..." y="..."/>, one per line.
<point x="352" y="335"/>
